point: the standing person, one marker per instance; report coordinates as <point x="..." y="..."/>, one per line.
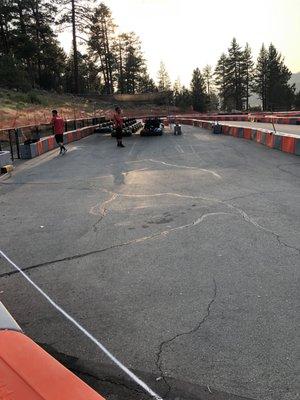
<point x="118" y="120"/>
<point x="58" y="127"/>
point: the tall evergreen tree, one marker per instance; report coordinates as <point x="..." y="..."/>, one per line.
<point x="177" y="89"/>
<point x="198" y="91"/>
<point x="271" y="80"/>
<point x="135" y="68"/>
<point x="221" y="81"/>
<point x="260" y="76"/>
<point x="164" y="82"/>
<point x="101" y="44"/>
<point x="146" y="84"/>
<point x="208" y="78"/>
<point x="77" y="15"/>
<point x="247" y="74"/>
<point x="234" y="75"/>
<point x="279" y="92"/>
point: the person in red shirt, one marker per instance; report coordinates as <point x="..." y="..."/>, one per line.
<point x="118" y="121"/>
<point x="58" y="128"/>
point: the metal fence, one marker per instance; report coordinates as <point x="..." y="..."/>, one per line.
<point x="10" y="139"/>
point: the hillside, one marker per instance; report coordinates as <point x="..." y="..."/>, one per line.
<point x="18" y="109"/>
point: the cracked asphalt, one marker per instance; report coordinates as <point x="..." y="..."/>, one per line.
<point x="179" y="253"/>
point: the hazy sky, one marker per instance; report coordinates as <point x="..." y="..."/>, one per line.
<point x="186" y="34"/>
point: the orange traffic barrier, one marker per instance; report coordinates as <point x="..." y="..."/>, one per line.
<point x="288" y="144"/>
<point x="247" y="133"/>
<point x="270" y="139"/>
<point x="27" y="372"/>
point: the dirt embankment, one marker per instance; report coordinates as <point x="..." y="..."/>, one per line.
<point x="34" y="108"/>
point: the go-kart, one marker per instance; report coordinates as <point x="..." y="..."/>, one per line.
<point x="152" y="127"/>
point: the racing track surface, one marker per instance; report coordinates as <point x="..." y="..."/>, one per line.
<point x="180" y="254"/>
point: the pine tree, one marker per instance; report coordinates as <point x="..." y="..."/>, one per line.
<point x="208" y="78"/>
<point x="146" y="84"/>
<point x="198" y="95"/>
<point x="247" y="73"/>
<point x="177" y="89"/>
<point x="279" y="92"/>
<point x="101" y="30"/>
<point x="260" y="76"/>
<point x="271" y="80"/>
<point x="184" y="99"/>
<point x="164" y="82"/>
<point x="134" y="63"/>
<point x="234" y="76"/>
<point x="77" y="15"/>
<point x="221" y="81"/>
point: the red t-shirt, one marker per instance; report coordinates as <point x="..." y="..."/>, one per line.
<point x="59" y="125"/>
<point x="118" y="120"/>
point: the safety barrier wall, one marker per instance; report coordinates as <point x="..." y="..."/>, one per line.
<point x="288" y="120"/>
<point x="29" y="373"/>
<point x="48" y="143"/>
<point x="283" y="142"/>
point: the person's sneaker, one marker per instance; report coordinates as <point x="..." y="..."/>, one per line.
<point x="122" y="145"/>
<point x="118" y="144"/>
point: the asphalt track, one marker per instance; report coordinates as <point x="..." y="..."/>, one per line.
<point x="181" y="254"/>
<point x="284" y="128"/>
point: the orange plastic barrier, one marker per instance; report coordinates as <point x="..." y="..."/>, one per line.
<point x="27" y="372"/>
<point x="288" y="144"/>
<point x="270" y="139"/>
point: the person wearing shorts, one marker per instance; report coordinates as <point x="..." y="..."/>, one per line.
<point x="58" y="127"/>
<point x="118" y="121"/>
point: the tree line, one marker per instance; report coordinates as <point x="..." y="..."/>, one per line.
<point x="31" y="57"/>
<point x="234" y="80"/>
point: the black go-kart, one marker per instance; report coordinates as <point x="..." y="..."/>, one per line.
<point x="153" y="127"/>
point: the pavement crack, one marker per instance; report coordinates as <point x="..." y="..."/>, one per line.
<point x="102" y="210"/>
<point x="130" y="242"/>
<point x="249" y="219"/>
<point x="108" y="380"/>
<point x="162" y="345"/>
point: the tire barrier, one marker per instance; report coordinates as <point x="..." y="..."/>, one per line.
<point x="287" y="143"/>
<point x="131" y="125"/>
<point x="46" y="144"/>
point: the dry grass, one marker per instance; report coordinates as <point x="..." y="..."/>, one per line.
<point x="33" y="108"/>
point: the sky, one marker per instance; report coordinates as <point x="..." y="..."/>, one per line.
<point x="186" y="34"/>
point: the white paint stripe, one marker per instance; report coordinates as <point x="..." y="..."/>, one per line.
<point x="137" y="380"/>
<point x="132" y="148"/>
<point x="180" y="148"/>
<point x="186" y="167"/>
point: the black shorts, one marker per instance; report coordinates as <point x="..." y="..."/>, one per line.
<point x="119" y="132"/>
<point x="59" y="138"/>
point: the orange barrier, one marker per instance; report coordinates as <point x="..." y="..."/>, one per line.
<point x="27" y="372"/>
<point x="48" y="143"/>
<point x="287" y="143"/>
<point x="270" y="139"/>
